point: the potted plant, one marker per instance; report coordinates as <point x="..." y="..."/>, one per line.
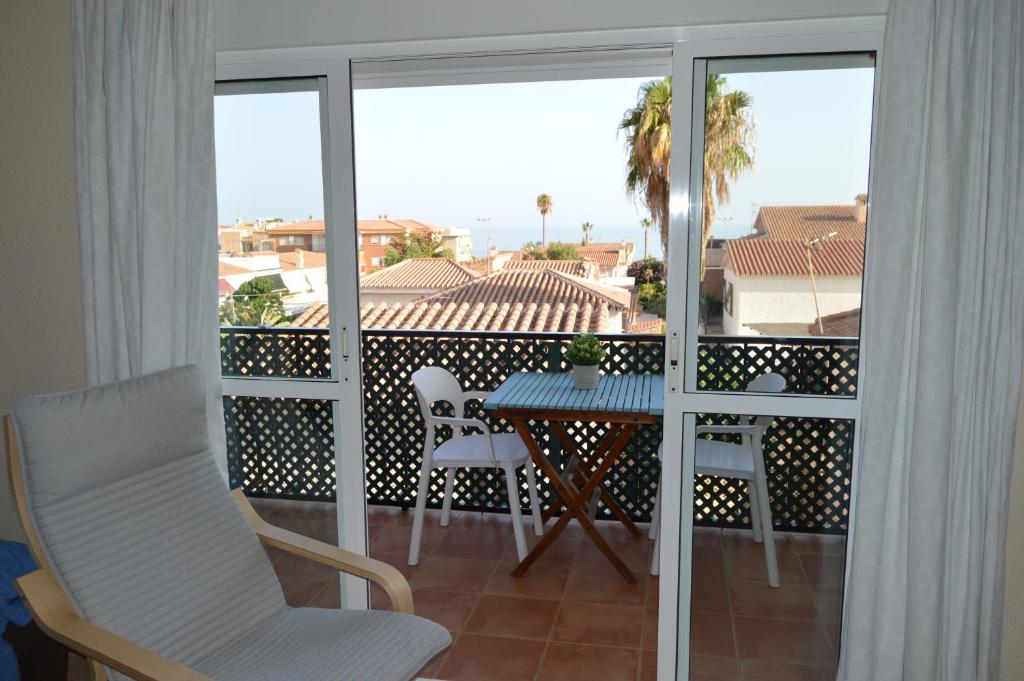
<point x="585" y="352"/>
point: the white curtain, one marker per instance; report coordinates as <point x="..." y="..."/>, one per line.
<point x="944" y="308"/>
<point x="144" y="77"/>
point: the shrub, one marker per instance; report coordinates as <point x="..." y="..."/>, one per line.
<point x="647" y="271"/>
<point x="585" y="350"/>
<point x="652" y="298"/>
<point x="554" y="251"/>
<point x="255" y="303"/>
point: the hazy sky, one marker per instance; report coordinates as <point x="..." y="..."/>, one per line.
<point x="451" y="155"/>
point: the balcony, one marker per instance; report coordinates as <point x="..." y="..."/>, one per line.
<point x="284" y="448"/>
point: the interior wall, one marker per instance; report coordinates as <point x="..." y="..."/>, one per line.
<point x="41" y="346"/>
<point x="252" y="24"/>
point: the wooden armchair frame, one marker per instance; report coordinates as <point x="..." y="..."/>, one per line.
<point x="53" y="611"/>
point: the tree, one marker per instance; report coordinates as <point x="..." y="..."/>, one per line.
<point x="646" y="225"/>
<point x="646" y="271"/>
<point x="587" y="226"/>
<point x="652" y="297"/>
<point x="556" y="251"/>
<point x="728" y="150"/>
<point x="255" y="303"/>
<point x="544" y="206"/>
<point x="416" y="245"/>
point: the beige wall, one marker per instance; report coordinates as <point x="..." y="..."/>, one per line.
<point x="1013" y="625"/>
<point x="41" y="347"/>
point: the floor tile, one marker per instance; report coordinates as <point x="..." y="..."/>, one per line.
<point x="566" y="662"/>
<point x="761" y="670"/>
<point x="709" y="594"/>
<point x="824" y="571"/>
<point x="599" y="624"/>
<point x="650" y="630"/>
<point x="450" y="609"/>
<point x="745" y="565"/>
<point x="395" y="539"/>
<point x="475" y="658"/>
<point x="540" y="581"/>
<point x="452" y="574"/>
<point x="707" y="538"/>
<point x="743" y="540"/>
<point x="706" y="668"/>
<point x="604" y="585"/>
<point x="829" y="604"/>
<point x="783" y="641"/>
<point x="711" y="634"/>
<point x="562" y="552"/>
<point x="710" y="561"/>
<point x="757" y="599"/>
<point x="648" y="666"/>
<point x="819" y="544"/>
<point x="636" y="555"/>
<point x="382" y="515"/>
<point x="513" y="617"/>
<point x="290" y="566"/>
<point x="482" y="546"/>
<point x="298" y="592"/>
<point x="432" y="668"/>
<point x="329" y="596"/>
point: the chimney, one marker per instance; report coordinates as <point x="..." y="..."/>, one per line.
<point x="860" y="208"/>
<point x="300" y="259"/>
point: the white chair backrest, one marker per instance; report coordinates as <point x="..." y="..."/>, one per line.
<point x="766" y="383"/>
<point x="434" y="384"/>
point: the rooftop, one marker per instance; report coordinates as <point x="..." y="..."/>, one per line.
<point x="799" y="223"/>
<point x="419" y="273"/>
<point x="770" y="258"/>
<point x="839" y="325"/>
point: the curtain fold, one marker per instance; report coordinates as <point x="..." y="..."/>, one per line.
<point x="144" y="79"/>
<point x="943" y="320"/>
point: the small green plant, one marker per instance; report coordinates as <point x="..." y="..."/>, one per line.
<point x="652" y="298"/>
<point x="585" y="350"/>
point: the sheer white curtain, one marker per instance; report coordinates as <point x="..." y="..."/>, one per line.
<point x="144" y="76"/>
<point x="943" y="325"/>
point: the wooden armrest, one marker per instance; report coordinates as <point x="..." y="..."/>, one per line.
<point x="379" y="572"/>
<point x="53" y="612"/>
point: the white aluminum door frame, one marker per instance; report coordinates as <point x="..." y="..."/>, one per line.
<point x="682" y="399"/>
<point x="335" y="61"/>
<point x="344" y="388"/>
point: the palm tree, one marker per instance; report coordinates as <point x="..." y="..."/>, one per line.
<point x="728" y="130"/>
<point x="646" y="224"/>
<point x="728" y="150"/>
<point x="587" y="226"/>
<point x="544" y="205"/>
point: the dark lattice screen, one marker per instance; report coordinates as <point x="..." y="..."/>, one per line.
<point x="809" y="466"/>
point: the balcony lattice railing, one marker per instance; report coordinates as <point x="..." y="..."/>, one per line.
<point x="284" y="447"/>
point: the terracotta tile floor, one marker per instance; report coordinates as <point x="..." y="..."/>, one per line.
<point x="572" y="617"/>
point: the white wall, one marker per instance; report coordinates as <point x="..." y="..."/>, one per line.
<point x="250" y="24"/>
<point x="785" y="300"/>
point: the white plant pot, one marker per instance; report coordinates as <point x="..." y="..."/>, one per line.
<point x="585" y="377"/>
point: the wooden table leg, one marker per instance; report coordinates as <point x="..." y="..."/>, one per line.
<point x="606" y="498"/>
<point x="574" y="500"/>
<point x="567" y="445"/>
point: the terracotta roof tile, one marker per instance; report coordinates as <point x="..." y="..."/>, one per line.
<point x="310" y="259"/>
<point x="226" y="269"/>
<point x="799" y="223"/>
<point x="297" y="227"/>
<point x="841" y="324"/>
<point x="770" y="258"/>
<point x="605" y="255"/>
<point x="577" y="268"/>
<point x="646" y="326"/>
<point x="419" y="273"/>
<point x="510" y="300"/>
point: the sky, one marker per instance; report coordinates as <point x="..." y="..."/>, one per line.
<point x="477" y="156"/>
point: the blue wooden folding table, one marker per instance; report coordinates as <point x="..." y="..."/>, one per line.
<point x="623" y="401"/>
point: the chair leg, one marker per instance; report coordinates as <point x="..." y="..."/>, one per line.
<point x="656" y="555"/>
<point x="514" y="504"/>
<point x="768" y="531"/>
<point x="531" y="483"/>
<point x="417" y="521"/>
<point x="755" y="511"/>
<point x="656" y="512"/>
<point x="449" y="492"/>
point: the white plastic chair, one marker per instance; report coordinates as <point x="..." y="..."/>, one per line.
<point x="486" y="450"/>
<point x="744" y="461"/>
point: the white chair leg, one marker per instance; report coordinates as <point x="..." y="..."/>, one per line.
<point x="531" y="483"/>
<point x="768" y="530"/>
<point x="517" y="513"/>
<point x="656" y="512"/>
<point x="449" y="492"/>
<point x="656" y="555"/>
<point x="755" y="511"/>
<point x="417" y="521"/>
